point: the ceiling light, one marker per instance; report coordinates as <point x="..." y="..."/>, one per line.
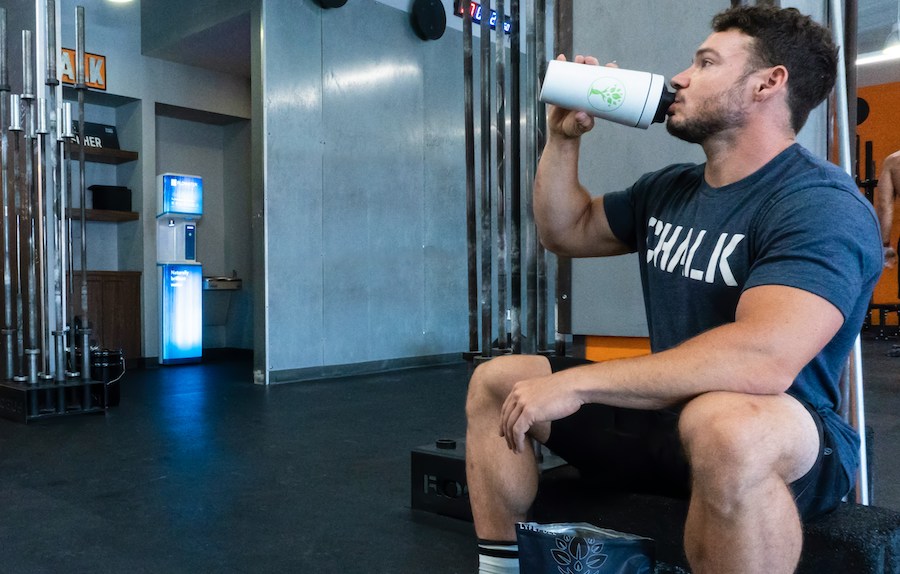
<point x="875" y="58"/>
<point x="892" y="42"/>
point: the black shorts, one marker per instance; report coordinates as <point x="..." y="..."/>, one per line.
<point x="640" y="451"/>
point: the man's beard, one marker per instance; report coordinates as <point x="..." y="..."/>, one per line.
<point x="715" y="115"/>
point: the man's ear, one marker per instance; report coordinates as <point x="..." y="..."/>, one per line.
<point x="772" y="81"/>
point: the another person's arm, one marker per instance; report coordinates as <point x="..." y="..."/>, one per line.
<point x="885" y="195"/>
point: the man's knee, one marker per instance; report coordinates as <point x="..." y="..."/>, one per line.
<point x="493" y="380"/>
<point x="718" y="433"/>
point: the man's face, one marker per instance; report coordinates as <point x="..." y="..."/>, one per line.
<point x="712" y="95"/>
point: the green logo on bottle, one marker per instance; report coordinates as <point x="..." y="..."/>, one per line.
<point x="607" y="94"/>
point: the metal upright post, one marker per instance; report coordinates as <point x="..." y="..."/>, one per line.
<point x="562" y="44"/>
<point x="55" y="216"/>
<point x="31" y="336"/>
<point x="40" y="225"/>
<point x="471" y="224"/>
<point x="68" y="135"/>
<point x="486" y="225"/>
<point x="853" y="369"/>
<point x="7" y="331"/>
<point x="515" y="171"/>
<point x="15" y="221"/>
<point x="529" y="239"/>
<point x="502" y="253"/>
<point x="80" y="87"/>
<point x="541" y="118"/>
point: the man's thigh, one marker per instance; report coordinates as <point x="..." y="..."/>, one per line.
<point x="642" y="451"/>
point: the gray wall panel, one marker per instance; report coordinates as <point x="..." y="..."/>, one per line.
<point x="293" y="186"/>
<point x="366" y="256"/>
<point x="444" y="289"/>
<point x="373" y="209"/>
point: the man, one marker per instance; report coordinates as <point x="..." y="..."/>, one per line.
<point x="757" y="269"/>
<point x="885" y="194"/>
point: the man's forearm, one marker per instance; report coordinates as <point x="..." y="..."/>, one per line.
<point x="761" y="353"/>
<point x="714" y="361"/>
<point x="884" y="205"/>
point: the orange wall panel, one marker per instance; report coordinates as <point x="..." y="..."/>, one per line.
<point x="882" y="128"/>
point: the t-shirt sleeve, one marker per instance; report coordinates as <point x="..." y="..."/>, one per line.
<point x="626" y="211"/>
<point x="619" y="209"/>
<point x="822" y="240"/>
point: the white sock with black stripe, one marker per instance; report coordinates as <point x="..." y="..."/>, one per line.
<point x="498" y="557"/>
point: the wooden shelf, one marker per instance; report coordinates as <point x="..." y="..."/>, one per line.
<point x="101" y="154"/>
<point x="108" y="215"/>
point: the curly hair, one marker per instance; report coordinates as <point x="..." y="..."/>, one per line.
<point x="788" y="38"/>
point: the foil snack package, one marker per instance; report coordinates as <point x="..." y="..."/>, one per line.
<point x="582" y="548"/>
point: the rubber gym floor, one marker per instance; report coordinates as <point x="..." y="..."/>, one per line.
<point x="199" y="470"/>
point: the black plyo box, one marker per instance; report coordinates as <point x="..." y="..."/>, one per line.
<point x="114" y="197"/>
<point x="438" y="479"/>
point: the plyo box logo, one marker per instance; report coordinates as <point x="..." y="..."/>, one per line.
<point x="444" y="487"/>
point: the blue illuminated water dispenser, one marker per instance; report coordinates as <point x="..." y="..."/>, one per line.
<point x="179" y="209"/>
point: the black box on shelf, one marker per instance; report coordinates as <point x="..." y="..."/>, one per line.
<point x="115" y="197"/>
<point x="97" y="135"/>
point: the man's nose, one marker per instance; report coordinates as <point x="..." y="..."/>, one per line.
<point x="681" y="80"/>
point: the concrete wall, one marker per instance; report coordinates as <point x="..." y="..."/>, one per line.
<point x="364" y="189"/>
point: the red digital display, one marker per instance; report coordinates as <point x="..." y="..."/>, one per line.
<point x="476" y="11"/>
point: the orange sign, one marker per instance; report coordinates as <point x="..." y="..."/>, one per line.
<point x="94" y="69"/>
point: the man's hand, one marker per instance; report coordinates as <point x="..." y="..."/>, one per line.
<point x="890" y="257"/>
<point x="570" y="124"/>
<point x="533" y="401"/>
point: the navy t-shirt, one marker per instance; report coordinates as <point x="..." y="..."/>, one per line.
<point x="798" y="221"/>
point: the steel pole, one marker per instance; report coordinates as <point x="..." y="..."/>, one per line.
<point x="515" y="182"/>
<point x="8" y="331"/>
<point x="502" y="253"/>
<point x="854" y="363"/>
<point x="541" y="256"/>
<point x="471" y="210"/>
<point x="80" y="87"/>
<point x="31" y="344"/>
<point x="562" y="44"/>
<point x="486" y="187"/>
<point x="16" y="126"/>
<point x="40" y="225"/>
<point x="529" y="240"/>
<point x="69" y="136"/>
<point x="55" y="212"/>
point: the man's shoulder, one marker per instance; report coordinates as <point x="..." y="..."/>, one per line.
<point x="800" y="169"/>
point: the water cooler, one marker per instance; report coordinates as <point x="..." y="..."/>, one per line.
<point x="179" y="209"/>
